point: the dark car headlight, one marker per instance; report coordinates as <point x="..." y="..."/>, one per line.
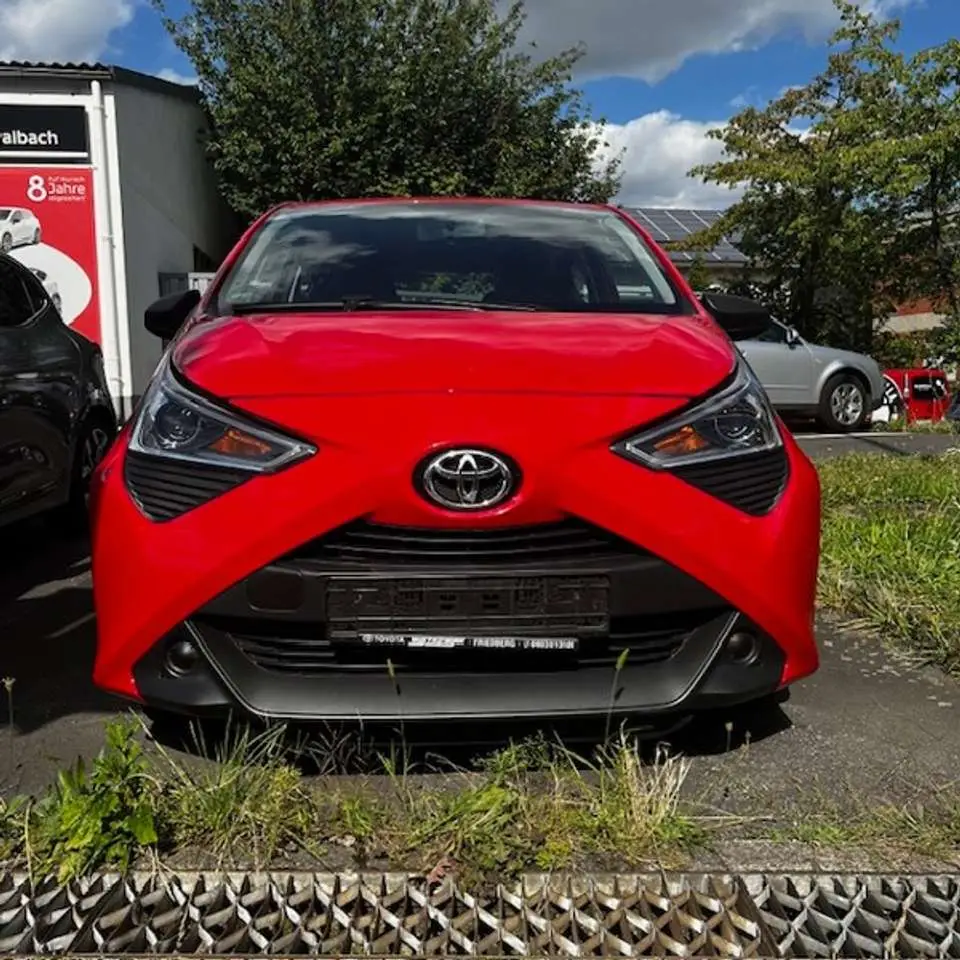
<point x="175" y="423"/>
<point x="735" y="422"/>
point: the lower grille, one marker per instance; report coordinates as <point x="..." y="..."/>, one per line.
<point x="305" y="649"/>
<point x="751" y="483"/>
<point x="166" y="489"/>
<point x="363" y="545"/>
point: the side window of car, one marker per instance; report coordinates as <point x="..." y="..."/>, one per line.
<point x="17" y="306"/>
<point x="773" y="334"/>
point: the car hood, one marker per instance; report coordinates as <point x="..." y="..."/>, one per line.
<point x="325" y="354"/>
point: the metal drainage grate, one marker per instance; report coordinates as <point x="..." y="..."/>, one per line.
<point x="853" y="917"/>
<point x="327" y="915"/>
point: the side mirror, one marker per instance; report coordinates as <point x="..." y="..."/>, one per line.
<point x="793" y="338"/>
<point x="741" y="318"/>
<point x="164" y="317"/>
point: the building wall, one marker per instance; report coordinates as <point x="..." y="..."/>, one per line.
<point x="170" y="206"/>
<point x="90" y="95"/>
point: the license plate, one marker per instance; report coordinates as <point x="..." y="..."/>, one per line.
<point x="430" y="642"/>
<point x="357" y="600"/>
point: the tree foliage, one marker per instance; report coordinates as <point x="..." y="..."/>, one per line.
<point x="698" y="274"/>
<point x="850" y="183"/>
<point x="313" y="99"/>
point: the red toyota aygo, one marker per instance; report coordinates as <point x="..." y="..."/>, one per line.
<point x="450" y="460"/>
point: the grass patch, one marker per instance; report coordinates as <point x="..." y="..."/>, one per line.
<point x="250" y="799"/>
<point x="890" y="551"/>
<point x="537" y="804"/>
<point x="918" y="426"/>
<point x="928" y="830"/>
<point x="534" y="805"/>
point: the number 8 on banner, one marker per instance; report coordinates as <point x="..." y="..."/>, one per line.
<point x="36" y="189"/>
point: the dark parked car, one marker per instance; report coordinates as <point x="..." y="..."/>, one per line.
<point x="56" y="416"/>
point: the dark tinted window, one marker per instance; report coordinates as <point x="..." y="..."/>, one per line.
<point x="775" y="333"/>
<point x="16" y="304"/>
<point x="500" y="255"/>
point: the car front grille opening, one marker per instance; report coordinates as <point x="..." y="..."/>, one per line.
<point x="751" y="483"/>
<point x="364" y="545"/>
<point x="314" y="650"/>
<point x="167" y="489"/>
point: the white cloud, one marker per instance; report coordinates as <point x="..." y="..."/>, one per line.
<point x="658" y="150"/>
<point x="651" y="38"/>
<point x="60" y="30"/>
<point x="174" y="76"/>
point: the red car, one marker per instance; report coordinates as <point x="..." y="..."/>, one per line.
<point x="451" y="459"/>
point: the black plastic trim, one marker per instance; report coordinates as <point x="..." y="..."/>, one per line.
<point x="367" y="545"/>
<point x="699" y="678"/>
<point x="165" y="489"/>
<point x="752" y="483"/>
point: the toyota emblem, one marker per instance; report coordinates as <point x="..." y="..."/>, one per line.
<point x="467" y="479"/>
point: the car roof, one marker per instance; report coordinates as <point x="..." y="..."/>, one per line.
<point x="426" y="201"/>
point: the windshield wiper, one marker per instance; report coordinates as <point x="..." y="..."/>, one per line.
<point x="348" y="304"/>
<point x="467" y="304"/>
<point x="304" y="306"/>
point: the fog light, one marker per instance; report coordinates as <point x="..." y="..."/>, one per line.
<point x="182" y="657"/>
<point x="743" y="648"/>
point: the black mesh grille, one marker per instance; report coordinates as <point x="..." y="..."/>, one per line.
<point x="166" y="489"/>
<point x="304" y="649"/>
<point x="752" y="484"/>
<point x="365" y="545"/>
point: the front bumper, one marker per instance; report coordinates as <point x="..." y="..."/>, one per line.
<point x="284" y="642"/>
<point x="689" y="571"/>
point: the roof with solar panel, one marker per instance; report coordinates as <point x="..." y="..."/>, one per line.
<point x="673" y="225"/>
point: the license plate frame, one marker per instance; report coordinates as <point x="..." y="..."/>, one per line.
<point x="559" y="607"/>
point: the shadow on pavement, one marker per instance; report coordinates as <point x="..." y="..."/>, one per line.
<point x="427" y="746"/>
<point x="47" y="627"/>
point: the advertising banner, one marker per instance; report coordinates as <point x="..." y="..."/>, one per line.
<point x="47" y="223"/>
<point x="43" y="134"/>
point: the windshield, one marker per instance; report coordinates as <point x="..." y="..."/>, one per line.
<point x="466" y="255"/>
<point x="4" y="214"/>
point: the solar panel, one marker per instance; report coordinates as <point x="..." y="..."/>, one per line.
<point x="690" y="221"/>
<point x="658" y="233"/>
<point x="670" y="225"/>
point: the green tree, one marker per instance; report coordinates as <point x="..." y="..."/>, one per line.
<point x="807" y="221"/>
<point x="913" y="170"/>
<point x="313" y="99"/>
<point x="698" y="276"/>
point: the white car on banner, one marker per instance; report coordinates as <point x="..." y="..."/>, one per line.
<point x="53" y="290"/>
<point x="18" y="227"/>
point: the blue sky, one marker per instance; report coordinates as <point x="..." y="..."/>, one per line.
<point x="709" y="86"/>
<point x="662" y="72"/>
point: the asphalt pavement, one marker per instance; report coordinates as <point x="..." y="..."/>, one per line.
<point x="822" y="446"/>
<point x="866" y="725"/>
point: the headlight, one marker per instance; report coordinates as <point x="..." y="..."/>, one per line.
<point x="734" y="422"/>
<point x="174" y="423"/>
